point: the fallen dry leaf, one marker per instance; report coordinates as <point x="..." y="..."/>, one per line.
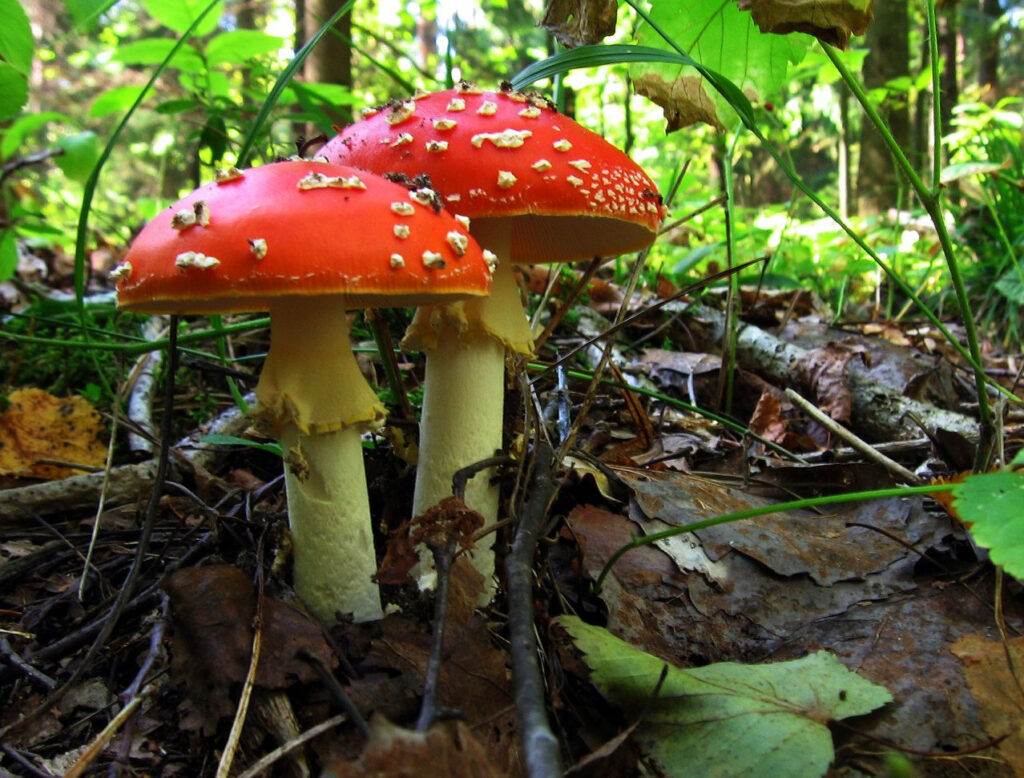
<point x="38" y="426"/>
<point x="447" y="749"/>
<point x="213" y="611"/>
<point x="998" y="694"/>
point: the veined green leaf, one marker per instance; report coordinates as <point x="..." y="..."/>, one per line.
<point x="179" y="15"/>
<point x="153" y="51"/>
<point x="114" y="100"/>
<point x="239" y="46"/>
<point x="727" y="718"/>
<point x="16" y="41"/>
<point x="13" y="91"/>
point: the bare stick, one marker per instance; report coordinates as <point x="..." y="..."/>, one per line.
<point x="864" y="448"/>
<point x="540" y="746"/>
<point x="443" y="565"/>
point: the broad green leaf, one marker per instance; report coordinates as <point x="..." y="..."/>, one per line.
<point x="959" y="170"/>
<point x="727" y="718"/>
<point x="239" y="46"/>
<point x="114" y="101"/>
<point x="1011" y="284"/>
<point x="24" y="126"/>
<point x="8" y="255"/>
<point x="81" y="151"/>
<point x="16" y="42"/>
<point x="993" y="505"/>
<point x="723" y="39"/>
<point x="13" y="91"/>
<point x="180" y="14"/>
<point x="153" y="51"/>
<point x="177" y="106"/>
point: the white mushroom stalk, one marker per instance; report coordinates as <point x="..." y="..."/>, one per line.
<point x="328" y="506"/>
<point x="462" y="419"/>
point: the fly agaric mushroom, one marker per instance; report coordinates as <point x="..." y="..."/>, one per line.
<point x="306" y="240"/>
<point x="539" y="188"/>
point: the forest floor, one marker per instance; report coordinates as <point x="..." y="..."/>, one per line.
<point x="893" y="587"/>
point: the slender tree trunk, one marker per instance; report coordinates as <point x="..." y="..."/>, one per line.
<point x="949" y="39"/>
<point x="331" y="60"/>
<point x="988" y="47"/>
<point x="888" y="58"/>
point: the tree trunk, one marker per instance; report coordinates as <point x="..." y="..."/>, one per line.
<point x="888" y="58"/>
<point x="949" y="50"/>
<point x="331" y="60"/>
<point x="988" y="47"/>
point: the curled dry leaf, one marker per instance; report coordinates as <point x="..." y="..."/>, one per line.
<point x="580" y="22"/>
<point x="685" y="100"/>
<point x="830" y="21"/>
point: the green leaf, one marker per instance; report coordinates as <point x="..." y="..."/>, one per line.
<point x="991" y="503"/>
<point x="180" y="14"/>
<point x="114" y="101"/>
<point x="728" y="718"/>
<point x="8" y="255"/>
<point x="723" y="39"/>
<point x="153" y="51"/>
<point x="231" y="440"/>
<point x="13" y="91"/>
<point x="16" y="41"/>
<point x="81" y="151"/>
<point x="959" y="170"/>
<point x="24" y="126"/>
<point x="83" y="12"/>
<point x="239" y="46"/>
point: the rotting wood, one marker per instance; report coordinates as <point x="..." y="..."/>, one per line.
<point x="878" y="412"/>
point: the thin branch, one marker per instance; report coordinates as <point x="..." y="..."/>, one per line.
<point x="540" y="746"/>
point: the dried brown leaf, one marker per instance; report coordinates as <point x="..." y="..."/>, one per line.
<point x="38" y="426"/>
<point x="684" y="101"/>
<point x="831" y="21"/>
<point x="580" y="22"/>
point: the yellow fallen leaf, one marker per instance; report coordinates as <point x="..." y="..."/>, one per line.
<point x="1001" y="706"/>
<point x="38" y="426"/>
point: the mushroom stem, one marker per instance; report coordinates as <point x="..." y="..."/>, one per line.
<point x="313" y="394"/>
<point x="463" y="397"/>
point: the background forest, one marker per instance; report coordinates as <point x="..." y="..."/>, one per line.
<point x="844" y="189"/>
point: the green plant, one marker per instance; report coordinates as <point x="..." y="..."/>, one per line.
<point x="987" y="165"/>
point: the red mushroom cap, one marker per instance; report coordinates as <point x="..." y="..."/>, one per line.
<point x="509" y="155"/>
<point x="300" y="228"/>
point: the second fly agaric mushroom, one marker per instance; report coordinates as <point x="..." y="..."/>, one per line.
<point x="539" y="188"/>
<point x="306" y="240"/>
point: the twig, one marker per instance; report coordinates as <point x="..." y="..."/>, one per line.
<point x="99" y="743"/>
<point x="443" y="566"/>
<point x="265" y="761"/>
<point x="335" y="688"/>
<point x="840" y="431"/>
<point x="15" y="659"/>
<point x="461" y="476"/>
<point x="156" y="639"/>
<point x="540" y="746"/>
